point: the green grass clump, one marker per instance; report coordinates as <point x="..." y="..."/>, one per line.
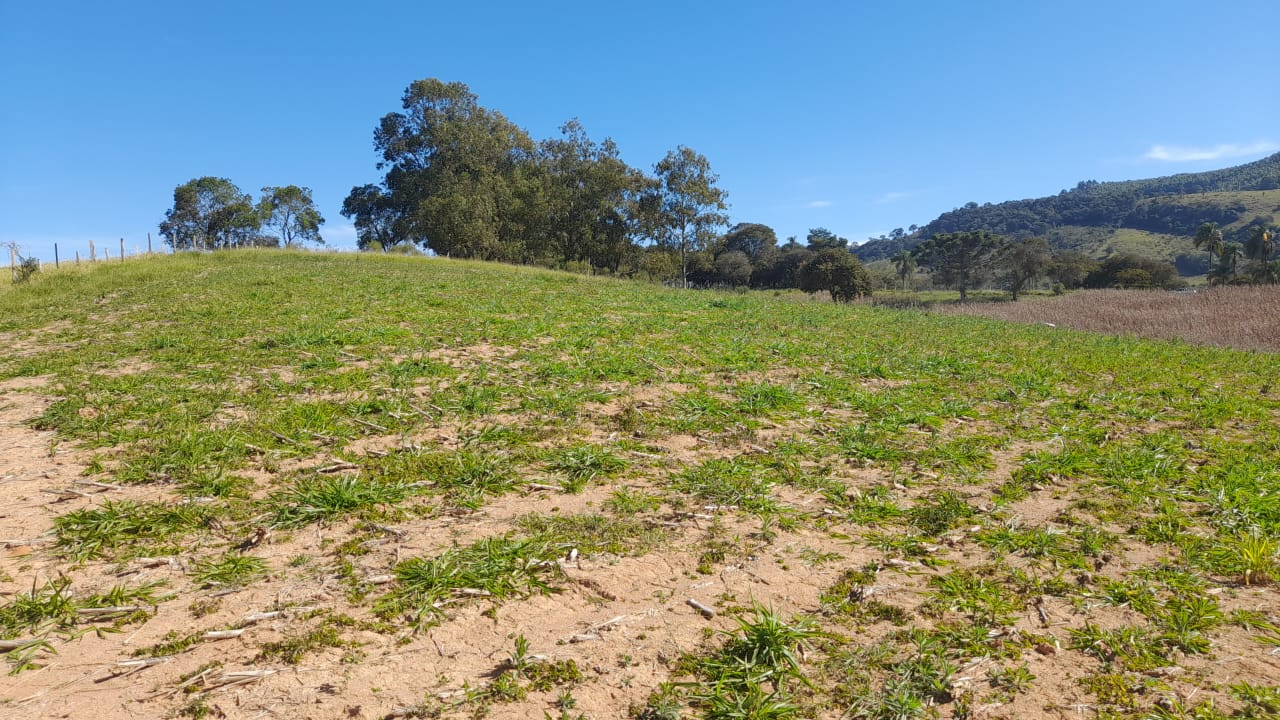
<point x="54" y="611"/>
<point x="583" y="463"/>
<point x="592" y="534"/>
<point x="141" y="527"/>
<point x="316" y="499"/>
<point x="736" y="482"/>
<point x="754" y="674"/>
<point x="230" y="570"/>
<point x="494" y="569"/>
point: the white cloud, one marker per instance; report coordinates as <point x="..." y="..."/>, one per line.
<point x="819" y="203"/>
<point x="339" y="236"/>
<point x="891" y="197"/>
<point x="1175" y="153"/>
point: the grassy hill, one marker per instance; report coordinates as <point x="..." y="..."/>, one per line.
<point x="1099" y="217"/>
<point x="366" y="486"/>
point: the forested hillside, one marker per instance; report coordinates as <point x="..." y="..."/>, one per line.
<point x="1088" y="216"/>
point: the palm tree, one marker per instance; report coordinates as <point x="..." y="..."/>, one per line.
<point x="905" y="262"/>
<point x="1260" y="247"/>
<point x="1228" y="258"/>
<point x="1210" y="238"/>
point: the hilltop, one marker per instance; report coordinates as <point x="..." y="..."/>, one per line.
<point x="259" y="483"/>
<point x="1156" y="216"/>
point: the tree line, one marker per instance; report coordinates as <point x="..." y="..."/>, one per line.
<point x="461" y="180"/>
<point x="1258" y="250"/>
<point x="211" y="213"/>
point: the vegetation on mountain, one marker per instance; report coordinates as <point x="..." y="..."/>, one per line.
<point x="1235" y="198"/>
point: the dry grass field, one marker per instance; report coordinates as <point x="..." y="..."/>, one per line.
<point x="1241" y="317"/>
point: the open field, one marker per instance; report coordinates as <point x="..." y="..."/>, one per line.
<point x="1236" y="317"/>
<point x="264" y="484"/>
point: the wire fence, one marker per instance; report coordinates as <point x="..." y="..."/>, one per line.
<point x="21" y="267"/>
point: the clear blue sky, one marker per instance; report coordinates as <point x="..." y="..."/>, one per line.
<point x="857" y="117"/>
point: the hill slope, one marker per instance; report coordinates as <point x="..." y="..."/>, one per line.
<point x="1172" y="206"/>
<point x="337" y="486"/>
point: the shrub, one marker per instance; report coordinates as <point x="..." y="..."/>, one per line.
<point x="838" y="272"/>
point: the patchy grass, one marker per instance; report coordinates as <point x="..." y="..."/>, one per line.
<point x="951" y="517"/>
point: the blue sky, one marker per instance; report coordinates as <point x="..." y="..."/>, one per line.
<point x="857" y="117"/>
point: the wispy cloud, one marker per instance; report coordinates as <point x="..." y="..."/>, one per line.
<point x="891" y="197"/>
<point x="819" y="203"/>
<point x="339" y="235"/>
<point x="1176" y="153"/>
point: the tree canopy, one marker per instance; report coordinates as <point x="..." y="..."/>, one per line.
<point x="835" y="270"/>
<point x="210" y="213"/>
<point x="374" y="216"/>
<point x="292" y="214"/>
<point x="1021" y="262"/>
<point x="959" y="259"/>
<point x="687" y="206"/>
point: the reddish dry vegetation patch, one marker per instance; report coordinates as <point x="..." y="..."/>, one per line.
<point x="1233" y="317"/>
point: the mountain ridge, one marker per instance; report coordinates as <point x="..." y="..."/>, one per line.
<point x="1172" y="205"/>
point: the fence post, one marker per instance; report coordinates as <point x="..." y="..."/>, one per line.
<point x="13" y="263"/>
<point x="77" y="257"/>
<point x="93" y="253"/>
<point x="55" y="257"/>
<point x="121" y="249"/>
<point x="148" y="243"/>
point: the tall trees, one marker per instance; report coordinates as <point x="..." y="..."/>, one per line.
<point x="838" y="272"/>
<point x="1021" y="263"/>
<point x="1260" y="247"/>
<point x="821" y="239"/>
<point x="687" y="207"/>
<point x="1070" y="268"/>
<point x="751" y="239"/>
<point x="1228" y="259"/>
<point x="291" y="212"/>
<point x="210" y="213"/>
<point x="464" y="181"/>
<point x="374" y="216"/>
<point x="587" y="196"/>
<point x="455" y="171"/>
<point x="904" y="264"/>
<point x="958" y="259"/>
<point x="1209" y="237"/>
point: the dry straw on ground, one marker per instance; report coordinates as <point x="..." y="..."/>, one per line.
<point x="1235" y="317"/>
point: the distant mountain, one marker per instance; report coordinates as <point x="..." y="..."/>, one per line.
<point x="1156" y="216"/>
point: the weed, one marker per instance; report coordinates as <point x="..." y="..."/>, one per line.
<point x="95" y="532"/>
<point x="291" y="650"/>
<point x="761" y="651"/>
<point x="583" y="463"/>
<point x="1253" y="557"/>
<point x="494" y="568"/>
<point x="1260" y="701"/>
<point x="230" y="570"/>
<point x="734" y="483"/>
<point x="593" y="534"/>
<point x="983" y="599"/>
<point x="314" y="499"/>
<point x="939" y="512"/>
<point x="625" y="501"/>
